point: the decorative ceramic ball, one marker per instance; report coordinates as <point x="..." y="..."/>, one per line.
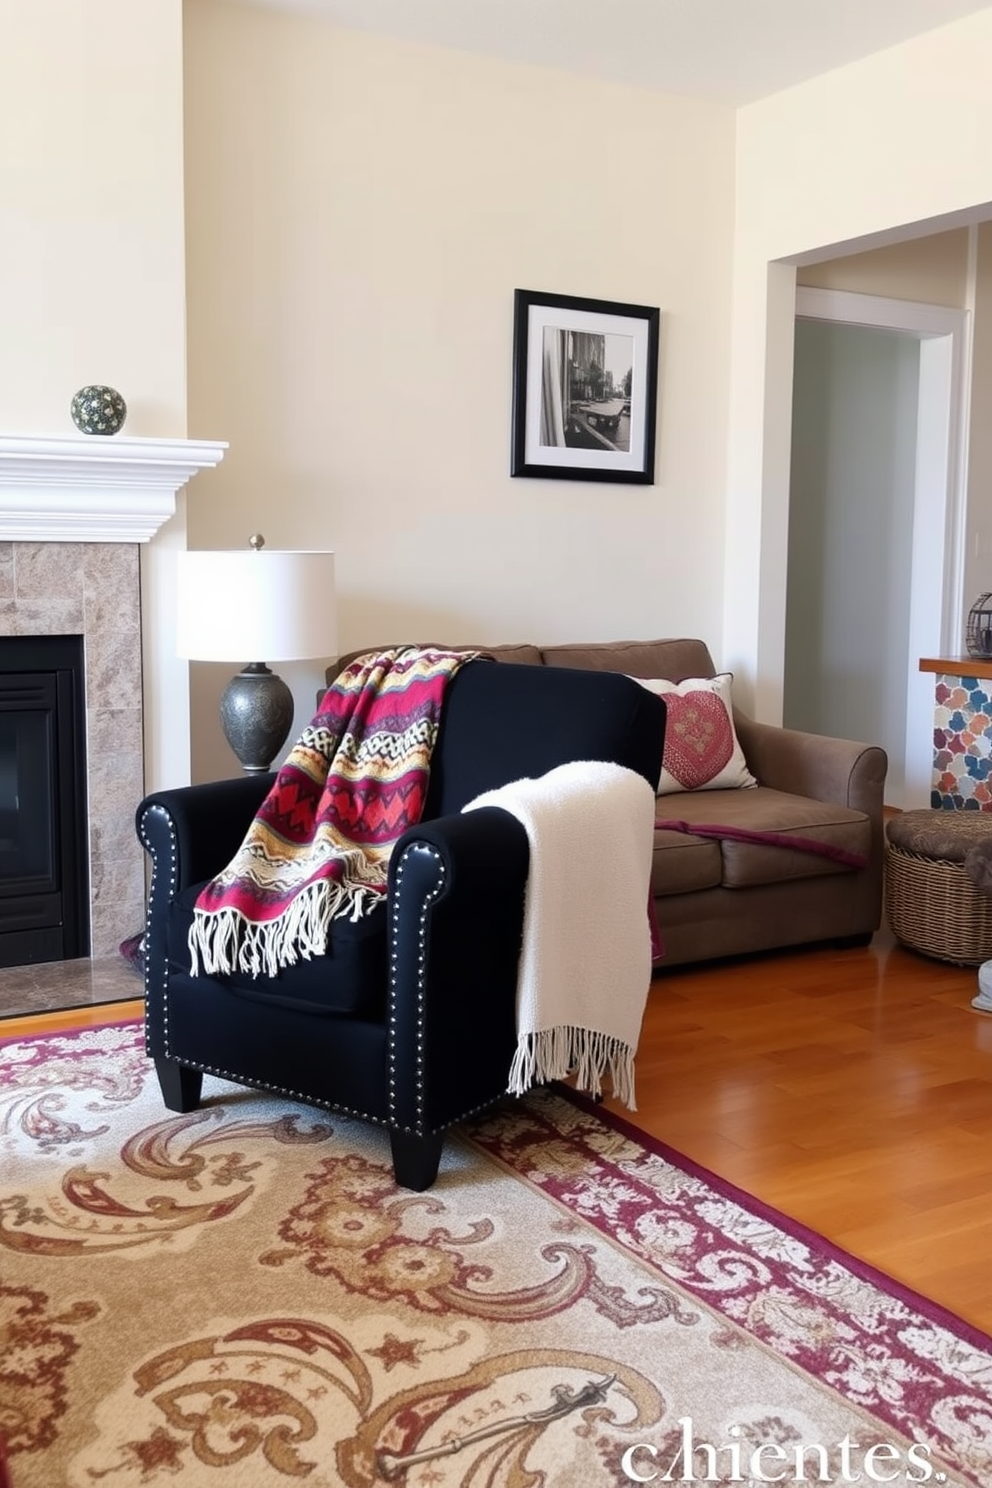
<point x="98" y="410"/>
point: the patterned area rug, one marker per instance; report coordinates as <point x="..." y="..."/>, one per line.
<point x="242" y="1298"/>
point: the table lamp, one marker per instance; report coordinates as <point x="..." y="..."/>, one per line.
<point x="256" y="602"/>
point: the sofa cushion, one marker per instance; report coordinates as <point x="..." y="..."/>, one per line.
<point x="351" y="978"/>
<point x="702" y="751"/>
<point x="683" y="864"/>
<point x="743" y="864"/>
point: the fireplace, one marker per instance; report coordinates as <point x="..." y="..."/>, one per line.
<point x="89" y="594"/>
<point x="75" y="513"/>
<point x="44" y="880"/>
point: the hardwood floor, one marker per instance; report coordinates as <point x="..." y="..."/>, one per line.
<point x="850" y="1089"/>
<point x="95" y="1016"/>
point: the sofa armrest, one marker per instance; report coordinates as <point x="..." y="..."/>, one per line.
<point x="844" y="771"/>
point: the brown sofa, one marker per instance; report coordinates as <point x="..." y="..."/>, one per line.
<point x="724" y="896"/>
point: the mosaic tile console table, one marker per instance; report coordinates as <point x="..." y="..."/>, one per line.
<point x="962" y="732"/>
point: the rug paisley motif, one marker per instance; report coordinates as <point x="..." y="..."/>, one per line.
<point x="241" y="1297"/>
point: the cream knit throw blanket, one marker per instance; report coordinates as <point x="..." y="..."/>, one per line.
<point x="585" y="963"/>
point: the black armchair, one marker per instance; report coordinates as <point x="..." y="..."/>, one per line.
<point x="408" y="1020"/>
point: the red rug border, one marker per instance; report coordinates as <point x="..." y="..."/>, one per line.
<point x="935" y="1312"/>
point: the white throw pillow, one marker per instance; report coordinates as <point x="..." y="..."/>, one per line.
<point x="702" y="751"/>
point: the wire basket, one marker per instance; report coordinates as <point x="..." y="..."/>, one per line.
<point x="932" y="906"/>
<point x="978" y="636"/>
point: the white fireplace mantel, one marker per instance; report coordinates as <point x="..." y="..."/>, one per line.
<point x="93" y="487"/>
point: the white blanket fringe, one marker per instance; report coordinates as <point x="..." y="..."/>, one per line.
<point x="554" y="1053"/>
<point x="223" y="941"/>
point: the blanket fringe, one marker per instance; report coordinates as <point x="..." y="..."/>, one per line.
<point x="553" y="1053"/>
<point x="225" y="940"/>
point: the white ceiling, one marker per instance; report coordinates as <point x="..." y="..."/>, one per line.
<point x="734" y="50"/>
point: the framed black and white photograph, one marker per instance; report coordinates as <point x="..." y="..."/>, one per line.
<point x="585" y="388"/>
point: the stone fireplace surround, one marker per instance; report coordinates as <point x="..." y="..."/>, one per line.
<point x="92" y="590"/>
<point x="73" y="511"/>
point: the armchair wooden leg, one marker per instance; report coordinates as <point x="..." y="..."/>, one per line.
<point x="415" y="1159"/>
<point x="180" y="1086"/>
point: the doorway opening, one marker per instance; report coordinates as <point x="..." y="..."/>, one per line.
<point x="875" y="524"/>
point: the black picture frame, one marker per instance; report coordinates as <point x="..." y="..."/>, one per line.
<point x="585" y="388"/>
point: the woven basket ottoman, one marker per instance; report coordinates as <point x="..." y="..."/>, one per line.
<point x="931" y="903"/>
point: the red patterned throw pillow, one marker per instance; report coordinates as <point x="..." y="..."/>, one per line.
<point x="702" y="751"/>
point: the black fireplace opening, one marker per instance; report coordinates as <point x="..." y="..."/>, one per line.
<point x="44" y="856"/>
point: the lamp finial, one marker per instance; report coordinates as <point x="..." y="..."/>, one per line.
<point x="256" y="541"/>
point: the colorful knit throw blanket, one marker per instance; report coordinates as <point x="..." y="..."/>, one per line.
<point x="320" y="843"/>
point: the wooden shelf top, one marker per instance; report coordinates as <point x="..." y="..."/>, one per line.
<point x="958" y="666"/>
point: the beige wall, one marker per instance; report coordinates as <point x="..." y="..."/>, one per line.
<point x="885" y="149"/>
<point x="91" y="251"/>
<point x="91" y="212"/>
<point x="933" y="270"/>
<point x="359" y="213"/>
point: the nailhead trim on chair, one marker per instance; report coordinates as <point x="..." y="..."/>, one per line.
<point x="173" y="882"/>
<point x="297" y="1095"/>
<point x="418" y="1128"/>
<point x="306" y="1099"/>
<point x="163" y="990"/>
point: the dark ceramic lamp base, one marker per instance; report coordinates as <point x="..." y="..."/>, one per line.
<point x="256" y="714"/>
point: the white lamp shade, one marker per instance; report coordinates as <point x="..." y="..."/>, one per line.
<point x="256" y="606"/>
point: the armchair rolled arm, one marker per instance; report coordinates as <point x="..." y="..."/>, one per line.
<point x="190" y="834"/>
<point x="194" y="831"/>
<point x="456" y="908"/>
